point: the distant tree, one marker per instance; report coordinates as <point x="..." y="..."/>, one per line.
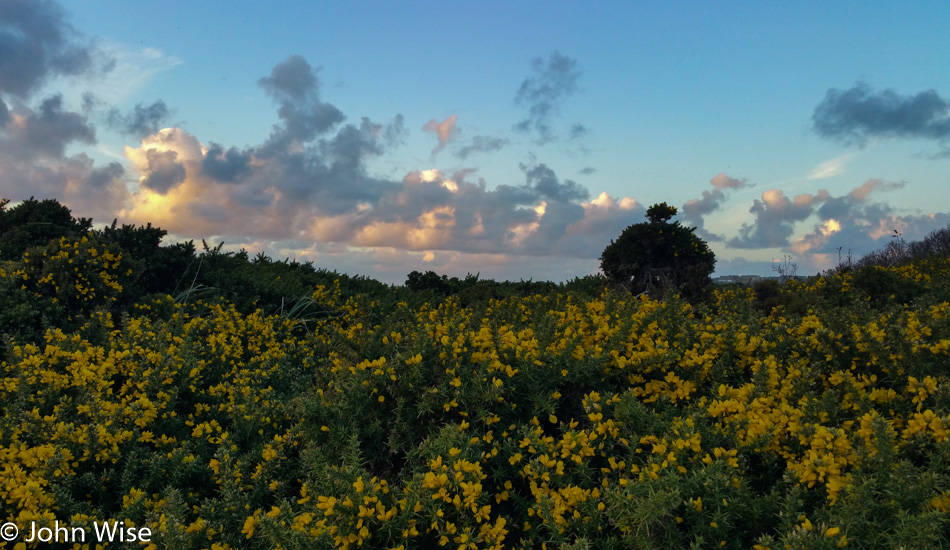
<point x="656" y="256"/>
<point x="430" y="280"/>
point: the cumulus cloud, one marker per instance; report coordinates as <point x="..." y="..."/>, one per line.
<point x="855" y="115"/>
<point x="694" y="211"/>
<point x="775" y="219"/>
<point x="554" y="80"/>
<point x="322" y="193"/>
<point x="306" y="185"/>
<point x="852" y="222"/>
<point x="444" y="131"/>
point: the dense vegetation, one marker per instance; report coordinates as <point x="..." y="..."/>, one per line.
<point x="228" y="401"/>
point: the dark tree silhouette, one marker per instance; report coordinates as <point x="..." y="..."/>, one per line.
<point x="657" y="256"/>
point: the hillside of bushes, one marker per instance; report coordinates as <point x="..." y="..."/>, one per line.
<point x="224" y="400"/>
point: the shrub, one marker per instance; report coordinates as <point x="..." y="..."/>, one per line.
<point x="657" y="256"/>
<point x="35" y="223"/>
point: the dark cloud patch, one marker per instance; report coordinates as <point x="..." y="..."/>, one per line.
<point x="578" y="131"/>
<point x="100" y="178"/>
<point x="293" y="83"/>
<point x="37" y="43"/>
<point x="552" y="227"/>
<point x="4" y="113"/>
<point x="50" y="129"/>
<point x="226" y="166"/>
<point x="164" y="171"/>
<point x="855" y="115"/>
<point x="695" y="210"/>
<point x="588" y="170"/>
<point x="545" y="182"/>
<point x="144" y="120"/>
<point x="481" y="144"/>
<point x="554" y="80"/>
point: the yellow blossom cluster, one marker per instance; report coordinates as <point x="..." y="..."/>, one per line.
<point x="532" y="422"/>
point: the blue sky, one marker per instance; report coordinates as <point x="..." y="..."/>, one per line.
<point x="511" y="139"/>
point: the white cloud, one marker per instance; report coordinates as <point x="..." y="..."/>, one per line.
<point x="832" y="167"/>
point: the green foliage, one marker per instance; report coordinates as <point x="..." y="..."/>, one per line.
<point x="514" y="414"/>
<point x="883" y="286"/>
<point x="35" y="223"/>
<point x="658" y="256"/>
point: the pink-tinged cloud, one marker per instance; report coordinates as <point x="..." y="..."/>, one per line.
<point x="695" y="210"/>
<point x="444" y="131"/>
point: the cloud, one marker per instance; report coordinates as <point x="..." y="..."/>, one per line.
<point x="542" y="94"/>
<point x="481" y="144"/>
<point x="775" y="218"/>
<point x="294" y="85"/>
<point x="831" y="168"/>
<point x="321" y="192"/>
<point x="46" y="132"/>
<point x="144" y="120"/>
<point x="163" y="171"/>
<point x="226" y="166"/>
<point x="855" y="115"/>
<point x="36" y="43"/>
<point x="694" y="210"/>
<point x="129" y="70"/>
<point x="307" y="181"/>
<point x="852" y="223"/>
<point x="577" y="131"/>
<point x="543" y="180"/>
<point x="444" y="131"/>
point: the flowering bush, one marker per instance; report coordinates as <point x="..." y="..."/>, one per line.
<point x="545" y="421"/>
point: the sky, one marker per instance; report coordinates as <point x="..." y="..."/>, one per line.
<point x="510" y="139"/>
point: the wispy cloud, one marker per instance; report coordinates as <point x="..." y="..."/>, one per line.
<point x="553" y="81"/>
<point x="130" y="71"/>
<point x="832" y="167"/>
<point x="481" y="144"/>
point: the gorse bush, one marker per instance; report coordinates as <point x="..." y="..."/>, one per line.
<point x="806" y="415"/>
